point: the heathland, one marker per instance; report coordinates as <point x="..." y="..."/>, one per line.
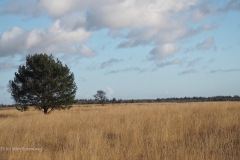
<point x="163" y="131"/>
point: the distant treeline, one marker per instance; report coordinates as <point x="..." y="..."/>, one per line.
<point x="6" y="105"/>
<point x="173" y="99"/>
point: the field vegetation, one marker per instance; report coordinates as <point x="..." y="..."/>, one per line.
<point x="162" y="131"/>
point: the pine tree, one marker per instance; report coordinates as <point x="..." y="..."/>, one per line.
<point x="43" y="83"/>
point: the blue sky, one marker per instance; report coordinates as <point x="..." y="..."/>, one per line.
<point x="132" y="49"/>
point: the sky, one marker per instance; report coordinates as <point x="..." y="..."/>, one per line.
<point x="131" y="49"/>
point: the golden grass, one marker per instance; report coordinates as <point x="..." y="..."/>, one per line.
<point x="164" y="131"/>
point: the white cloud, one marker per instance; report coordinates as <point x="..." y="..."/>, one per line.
<point x="8" y="36"/>
<point x="187" y="72"/>
<point x="110" y="92"/>
<point x="137" y="69"/>
<point x="133" y="13"/>
<point x="215" y="71"/>
<point x="62" y="35"/>
<point x="17" y="7"/>
<point x="231" y="5"/>
<point x="175" y="31"/>
<point x="173" y="62"/>
<point x="57" y="8"/>
<point x="204" y="10"/>
<point x="34" y="37"/>
<point x="109" y="63"/>
<point x="88" y="96"/>
<point x="109" y="13"/>
<point x="154" y="16"/>
<point x="55" y="39"/>
<point x="193" y="62"/>
<point x="166" y="92"/>
<point x="224" y="71"/>
<point x="12" y="41"/>
<point x="152" y="22"/>
<point x="87" y="51"/>
<point x="199" y="16"/>
<point x="164" y="51"/>
<point x="207" y="44"/>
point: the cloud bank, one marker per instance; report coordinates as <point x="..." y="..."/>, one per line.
<point x="55" y="39"/>
<point x="161" y="24"/>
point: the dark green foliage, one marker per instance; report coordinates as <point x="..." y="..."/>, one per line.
<point x="43" y="83"/>
<point x="100" y="96"/>
<point x="114" y="100"/>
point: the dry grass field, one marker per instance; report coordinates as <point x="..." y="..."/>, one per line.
<point x="161" y="131"/>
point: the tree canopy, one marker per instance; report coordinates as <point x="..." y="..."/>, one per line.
<point x="100" y="96"/>
<point x="43" y="83"/>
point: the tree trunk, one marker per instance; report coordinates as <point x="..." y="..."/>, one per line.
<point x="45" y="110"/>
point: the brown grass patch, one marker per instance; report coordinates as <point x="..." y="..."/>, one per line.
<point x="125" y="131"/>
